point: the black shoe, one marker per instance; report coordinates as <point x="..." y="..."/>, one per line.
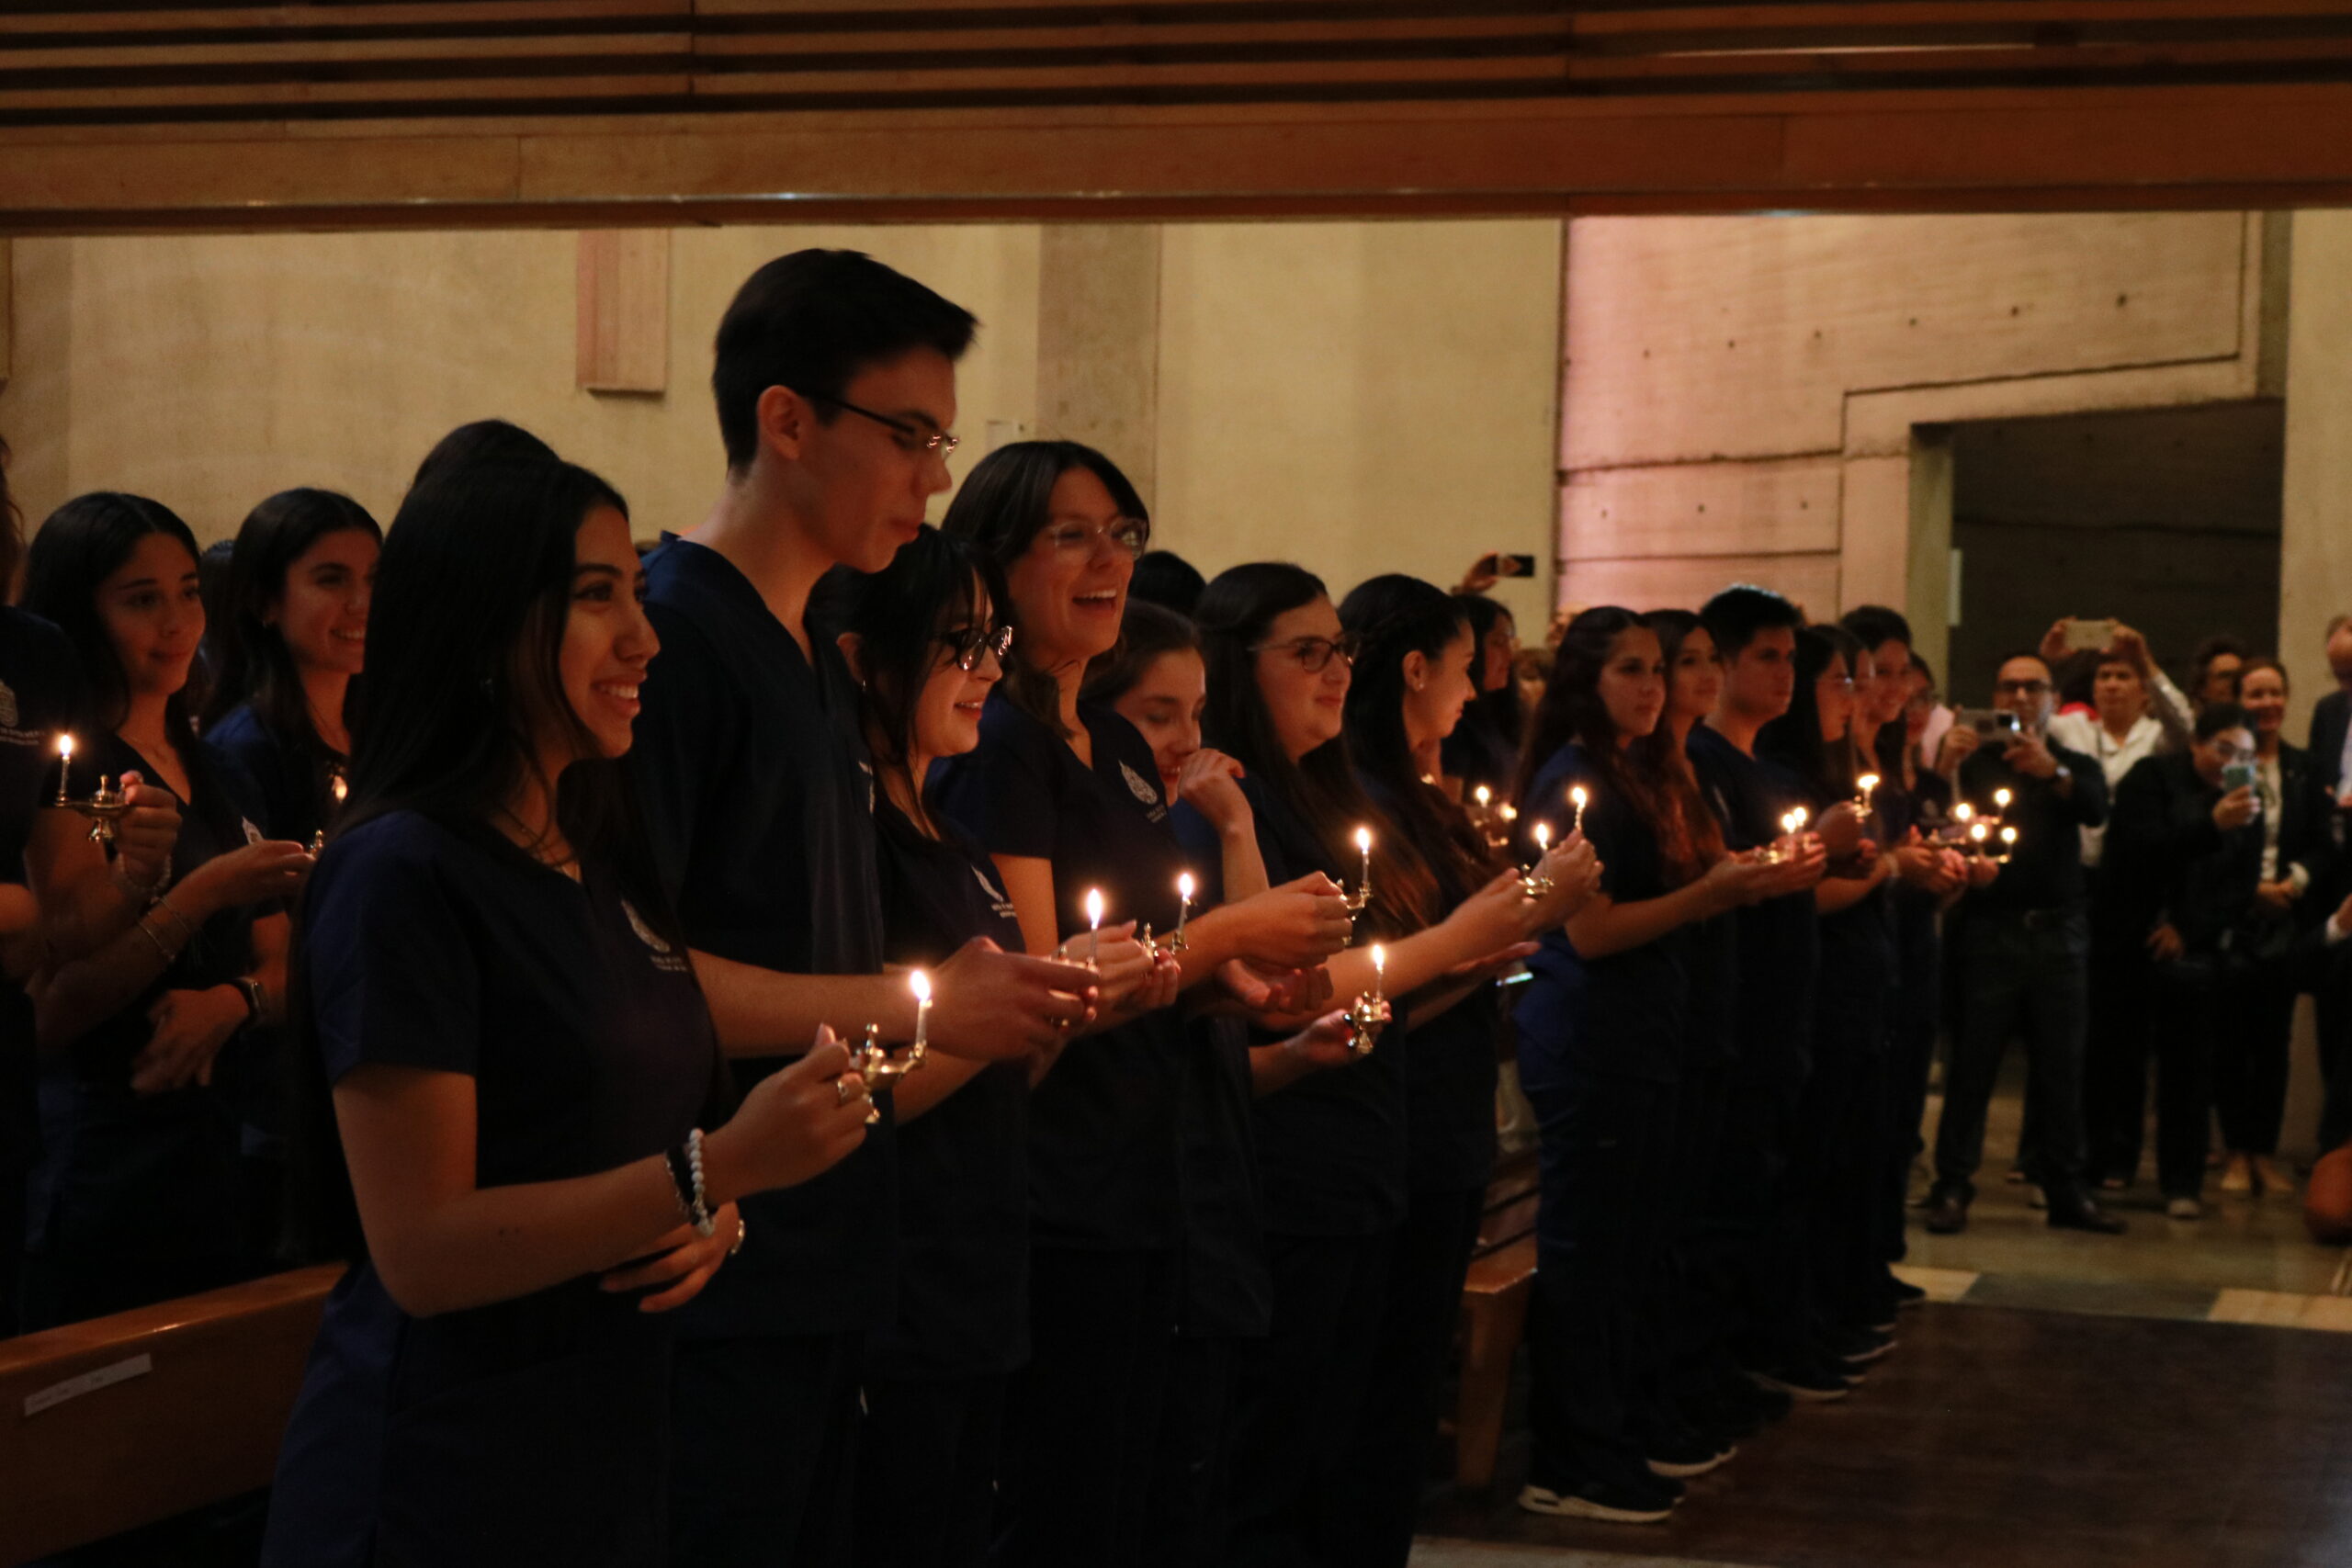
<point x="1623" y="1503"/>
<point x="1803" y="1383"/>
<point x="1948" y="1210"/>
<point x="1855" y="1347"/>
<point x="2073" y="1209"/>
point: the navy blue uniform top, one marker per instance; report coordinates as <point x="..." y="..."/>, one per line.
<point x="40" y="695"/>
<point x="1856" y="970"/>
<point x="1102" y="1124"/>
<point x="1635" y="1019"/>
<point x="1452" y="1065"/>
<point x="759" y="804"/>
<point x="1779" y="938"/>
<point x="147" y="1173"/>
<point x="1332" y="1147"/>
<point x="963" y="1164"/>
<point x="293" y="779"/>
<point x="2045" y="871"/>
<point x="542" y="1419"/>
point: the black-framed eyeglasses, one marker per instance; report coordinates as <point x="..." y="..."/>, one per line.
<point x="912" y="438"/>
<point x="2021" y="688"/>
<point x="967" y="644"/>
<point x="1130" y="535"/>
<point x="1314" y="653"/>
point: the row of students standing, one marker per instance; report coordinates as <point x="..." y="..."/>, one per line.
<point x="1719" y="1079"/>
<point x="647" y="1264"/>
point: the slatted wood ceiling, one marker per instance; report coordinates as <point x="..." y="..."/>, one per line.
<point x="1252" y="92"/>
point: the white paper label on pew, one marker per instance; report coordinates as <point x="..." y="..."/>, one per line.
<point x="138" y="1366"/>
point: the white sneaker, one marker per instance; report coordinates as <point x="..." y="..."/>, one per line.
<point x="1615" y="1505"/>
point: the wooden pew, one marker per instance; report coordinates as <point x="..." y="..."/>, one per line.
<point x="122" y="1421"/>
<point x="1494" y="1319"/>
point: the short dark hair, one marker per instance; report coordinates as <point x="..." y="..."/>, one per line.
<point x="1876" y="626"/>
<point x="1166" y="579"/>
<point x="1734" y="617"/>
<point x="2214" y="717"/>
<point x="2017" y="653"/>
<point x="812" y="320"/>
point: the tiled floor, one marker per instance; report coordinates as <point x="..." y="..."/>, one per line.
<point x="2071" y="1400"/>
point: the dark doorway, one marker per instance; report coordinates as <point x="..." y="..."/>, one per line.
<point x="2167" y="519"/>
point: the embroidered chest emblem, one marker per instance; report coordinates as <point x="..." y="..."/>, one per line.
<point x="1139" y="786"/>
<point x="645" y="933"/>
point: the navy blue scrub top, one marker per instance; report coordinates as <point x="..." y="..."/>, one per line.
<point x="129" y="1175"/>
<point x="293" y="780"/>
<point x="759" y="805"/>
<point x="1780" y="939"/>
<point x="1857" y="949"/>
<point x="1102" y="1124"/>
<point x="531" y="1429"/>
<point x="1332" y="1147"/>
<point x="40" y="695"/>
<point x="963" y="1164"/>
<point x="1452" y="1066"/>
<point x="1634" y="1021"/>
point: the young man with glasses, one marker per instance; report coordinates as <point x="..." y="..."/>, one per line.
<point x="835" y="383"/>
<point x="2023" y="945"/>
<point x="2184" y="857"/>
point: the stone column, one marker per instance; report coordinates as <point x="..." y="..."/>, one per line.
<point x="1098" y="341"/>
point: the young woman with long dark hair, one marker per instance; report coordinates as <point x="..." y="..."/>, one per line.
<point x="927" y="643"/>
<point x="294" y="637"/>
<point x="1417" y="665"/>
<point x="1333" y="1146"/>
<point x="1065" y="796"/>
<point x="508" y="1064"/>
<point x="1483" y="748"/>
<point x="136" y="1197"/>
<point x="1605" y="1030"/>
<point x="1838" y="1147"/>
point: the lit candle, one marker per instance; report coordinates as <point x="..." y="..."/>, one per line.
<point x="1542" y="840"/>
<point x="2008" y="842"/>
<point x="1183" y="908"/>
<point x="1579" y="796"/>
<point x="1482" y="795"/>
<point x="1510" y="813"/>
<point x="64" y="762"/>
<point x="1379" y="969"/>
<point x="1093" y="924"/>
<point x="1797" y="819"/>
<point x="340" y="786"/>
<point x="1865" y="787"/>
<point x="1363" y="843"/>
<point x="920" y="983"/>
<point x="1963" y="813"/>
<point x="2001" y="799"/>
<point x="1977" y="835"/>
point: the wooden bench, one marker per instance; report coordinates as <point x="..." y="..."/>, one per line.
<point x="1494" y="1319"/>
<point x="119" y="1422"/>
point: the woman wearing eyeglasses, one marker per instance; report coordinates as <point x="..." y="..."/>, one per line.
<point x="1334" y="1149"/>
<point x="1065" y="796"/>
<point x="923" y="638"/>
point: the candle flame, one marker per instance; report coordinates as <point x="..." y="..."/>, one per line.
<point x="1379" y="959"/>
<point x="2008" y="835"/>
<point x="1979" y="832"/>
<point x="1797" y="817"/>
<point x="1482" y="794"/>
<point x="1363" y="839"/>
<point x="1542" y="835"/>
<point x="1184" y="887"/>
<point x="1510" y="813"/>
<point x="920" y="983"/>
<point x="341" y="789"/>
<point x="1868" y="783"/>
<point x="1578" y="796"/>
<point x="64" y="748"/>
<point x="1094" y="905"/>
<point x="2001" y="798"/>
<point x="1963" y="812"/>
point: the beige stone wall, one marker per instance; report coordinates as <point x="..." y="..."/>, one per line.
<point x="1740" y="394"/>
<point x="210" y="372"/>
<point x="1355" y="396"/>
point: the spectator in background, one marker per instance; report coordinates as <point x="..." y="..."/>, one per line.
<point x="2255" y="1019"/>
<point x="2182" y="874"/>
<point x="2213" y="670"/>
<point x="1529" y="673"/>
<point x="1168" y="580"/>
<point x="1926" y="719"/>
<point x="1484" y="747"/>
<point x="2331" y="731"/>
